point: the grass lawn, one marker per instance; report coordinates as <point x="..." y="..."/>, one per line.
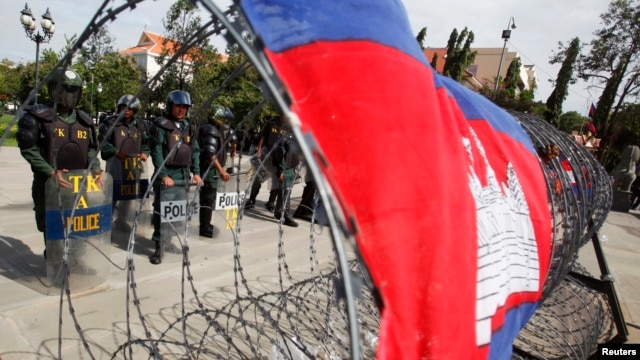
<point x="5" y="119"/>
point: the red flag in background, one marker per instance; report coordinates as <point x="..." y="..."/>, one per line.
<point x="592" y="111"/>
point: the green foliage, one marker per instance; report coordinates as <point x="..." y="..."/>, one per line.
<point x="626" y="132"/>
<point x="48" y="61"/>
<point x="240" y="95"/>
<point x="182" y="28"/>
<point x="565" y="76"/>
<point x="459" y="56"/>
<point x="571" y="121"/>
<point x="506" y="99"/>
<point x="613" y="64"/>
<point x="434" y="60"/>
<point x="512" y="95"/>
<point x="118" y="75"/>
<point x="422" y="35"/>
<point x="5" y="120"/>
<point x="512" y="78"/>
<point x="10" y="83"/>
<point x="98" y="46"/>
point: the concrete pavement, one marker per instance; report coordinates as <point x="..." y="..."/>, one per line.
<point x="30" y="307"/>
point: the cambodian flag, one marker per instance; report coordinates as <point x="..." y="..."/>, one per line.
<point x="444" y="188"/>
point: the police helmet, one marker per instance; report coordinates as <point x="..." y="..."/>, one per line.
<point x="222" y="113"/>
<point x="178" y="97"/>
<point x="129" y="101"/>
<point x="65" y="87"/>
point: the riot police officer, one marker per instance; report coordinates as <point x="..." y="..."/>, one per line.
<point x="124" y="146"/>
<point x="213" y="156"/>
<point x="172" y="138"/>
<point x="269" y="138"/>
<point x="58" y="138"/>
<point x="286" y="161"/>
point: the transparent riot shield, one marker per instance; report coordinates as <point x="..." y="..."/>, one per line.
<point x="230" y="196"/>
<point x="130" y="183"/>
<point x="179" y="209"/>
<point x="259" y="169"/>
<point x="79" y="216"/>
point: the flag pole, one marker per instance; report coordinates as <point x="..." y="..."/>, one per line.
<point x="582" y="125"/>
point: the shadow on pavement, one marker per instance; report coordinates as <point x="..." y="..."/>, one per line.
<point x="20" y="264"/>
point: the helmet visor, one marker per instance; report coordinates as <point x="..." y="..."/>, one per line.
<point x="67" y="95"/>
<point x="180" y="98"/>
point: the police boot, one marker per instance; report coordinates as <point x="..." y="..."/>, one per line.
<point x="288" y="219"/>
<point x="206" y="229"/>
<point x="279" y="207"/>
<point x="156" y="258"/>
<point x="273" y="194"/>
<point x="255" y="189"/>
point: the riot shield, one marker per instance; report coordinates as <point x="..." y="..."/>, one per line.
<point x="81" y="217"/>
<point x="179" y="209"/>
<point x="230" y="196"/>
<point x="130" y="183"/>
<point x="259" y="170"/>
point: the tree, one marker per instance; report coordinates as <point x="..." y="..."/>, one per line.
<point x="181" y="25"/>
<point x="571" y="121"/>
<point x="245" y="92"/>
<point x="99" y="63"/>
<point x="119" y="75"/>
<point x="513" y="95"/>
<point x="99" y="45"/>
<point x="565" y="77"/>
<point x="614" y="63"/>
<point x="9" y="83"/>
<point x="208" y="79"/>
<point x="434" y="61"/>
<point x="48" y="61"/>
<point x="422" y="35"/>
<point x="459" y="56"/>
<point x="627" y="132"/>
<point x="512" y="78"/>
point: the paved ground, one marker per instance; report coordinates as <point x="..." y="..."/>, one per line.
<point x="620" y="237"/>
<point x="29" y="306"/>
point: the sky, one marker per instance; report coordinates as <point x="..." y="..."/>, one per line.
<point x="540" y="25"/>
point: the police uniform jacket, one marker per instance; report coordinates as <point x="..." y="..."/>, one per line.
<point x="36" y="155"/>
<point x="109" y="149"/>
<point x="158" y="146"/>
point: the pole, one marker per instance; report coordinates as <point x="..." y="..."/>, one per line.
<point x="97" y="107"/>
<point x="91" y="100"/>
<point x="37" y="66"/>
<point x="29" y="24"/>
<point x="500" y="66"/>
<point x="506" y="35"/>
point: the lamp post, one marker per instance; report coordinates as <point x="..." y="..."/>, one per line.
<point x="506" y="35"/>
<point x="84" y="86"/>
<point x="29" y="24"/>
<point x="99" y="89"/>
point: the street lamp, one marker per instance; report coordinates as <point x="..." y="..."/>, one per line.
<point x="99" y="89"/>
<point x="84" y="86"/>
<point x="29" y="24"/>
<point x="506" y="34"/>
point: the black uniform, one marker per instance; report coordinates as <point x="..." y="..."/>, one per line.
<point x="211" y="141"/>
<point x="271" y="135"/>
<point x="286" y="162"/>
